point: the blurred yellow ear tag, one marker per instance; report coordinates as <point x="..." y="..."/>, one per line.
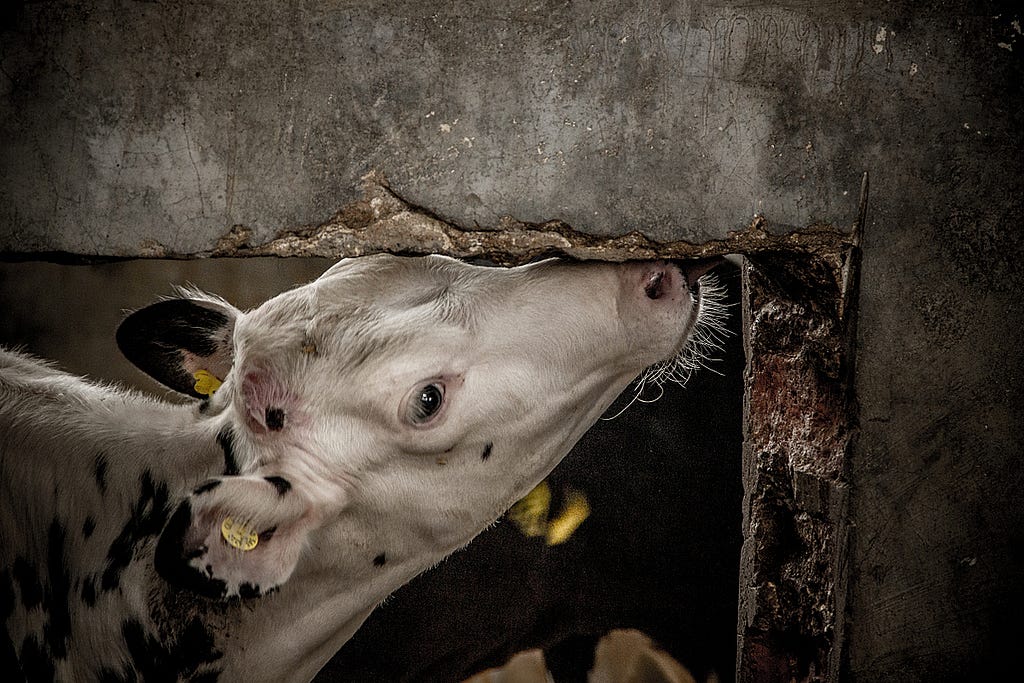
<point x="576" y="510"/>
<point x="206" y="383"/>
<point x="531" y="513"/>
<point x="238" y="535"/>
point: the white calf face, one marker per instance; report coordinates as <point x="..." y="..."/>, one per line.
<point x="464" y="386"/>
<point x="407" y="402"/>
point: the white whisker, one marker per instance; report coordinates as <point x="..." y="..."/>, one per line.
<point x="706" y="341"/>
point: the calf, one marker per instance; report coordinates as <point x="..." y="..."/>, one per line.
<point x="348" y="435"/>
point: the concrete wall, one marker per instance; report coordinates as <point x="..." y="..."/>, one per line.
<point x="152" y="123"/>
<point x="136" y="128"/>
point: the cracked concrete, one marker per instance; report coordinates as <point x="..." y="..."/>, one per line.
<point x="180" y="130"/>
<point x="381" y="221"/>
<point x="130" y="124"/>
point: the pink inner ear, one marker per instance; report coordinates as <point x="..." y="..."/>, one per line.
<point x="269" y="405"/>
<point x="214" y="365"/>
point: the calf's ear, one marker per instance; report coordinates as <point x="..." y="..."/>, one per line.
<point x="236" y="536"/>
<point x="184" y="344"/>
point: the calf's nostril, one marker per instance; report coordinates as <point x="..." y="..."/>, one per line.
<point x="653" y="285"/>
<point x="274" y="418"/>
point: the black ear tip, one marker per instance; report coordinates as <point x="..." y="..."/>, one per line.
<point x="156" y="338"/>
<point x="129" y="335"/>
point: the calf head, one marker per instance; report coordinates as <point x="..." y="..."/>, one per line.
<point x="386" y="413"/>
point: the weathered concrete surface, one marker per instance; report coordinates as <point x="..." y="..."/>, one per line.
<point x="140" y="127"/>
<point x="126" y="126"/>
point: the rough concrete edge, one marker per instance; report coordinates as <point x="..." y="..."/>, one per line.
<point x="800" y="323"/>
<point x="800" y="424"/>
<point x="381" y="221"/>
<point x="849" y="312"/>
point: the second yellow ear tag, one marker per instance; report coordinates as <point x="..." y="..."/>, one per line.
<point x="238" y="535"/>
<point x="576" y="510"/>
<point x="206" y="383"/>
<point x="531" y="513"/>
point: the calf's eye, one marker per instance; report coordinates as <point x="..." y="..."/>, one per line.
<point x="425" y="403"/>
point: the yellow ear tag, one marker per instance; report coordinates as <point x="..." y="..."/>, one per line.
<point x="206" y="383"/>
<point x="238" y="535"/>
<point x="576" y="510"/>
<point x="531" y="513"/>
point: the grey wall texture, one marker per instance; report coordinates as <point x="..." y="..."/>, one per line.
<point x="152" y="123"/>
<point x="130" y="128"/>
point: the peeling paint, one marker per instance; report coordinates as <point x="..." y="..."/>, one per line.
<point x="880" y="36"/>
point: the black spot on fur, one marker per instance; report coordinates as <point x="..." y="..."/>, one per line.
<point x="198" y="551"/>
<point x="88" y="526"/>
<point x="89" y="591"/>
<point x="205" y="487"/>
<point x="8" y="656"/>
<point x="268" y="534"/>
<point x="148" y="656"/>
<point x="57" y="630"/>
<point x="145" y="521"/>
<point x="380" y="560"/>
<point x="35" y="663"/>
<point x="111" y="676"/>
<point x="487" y="451"/>
<point x="247" y="591"/>
<point x="173" y="565"/>
<point x="282" y="485"/>
<point x="145" y="651"/>
<point x="204" y="406"/>
<point x="99" y="472"/>
<point x="226" y="439"/>
<point x="275" y="419"/>
<point x="28" y="583"/>
<point x="161" y="659"/>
